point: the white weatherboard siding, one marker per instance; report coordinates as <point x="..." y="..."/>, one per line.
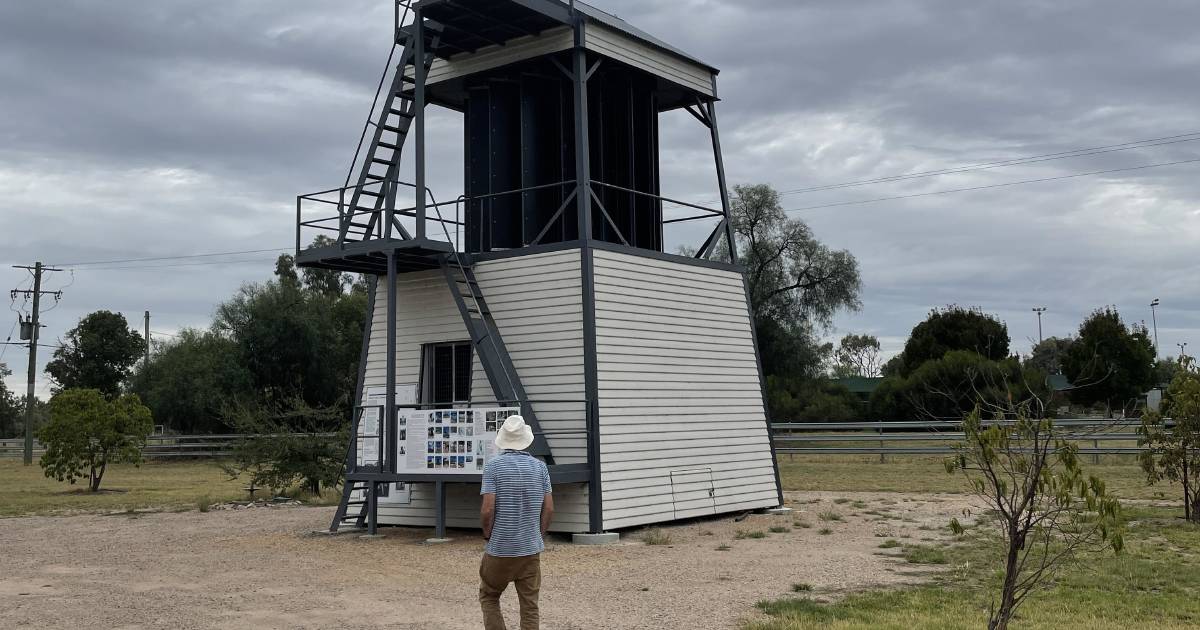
<point x="617" y="45"/>
<point x="682" y="423"/>
<point x="537" y="303"/>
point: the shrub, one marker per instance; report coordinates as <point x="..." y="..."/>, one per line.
<point x="87" y="432"/>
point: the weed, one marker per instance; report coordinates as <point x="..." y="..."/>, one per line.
<point x="829" y="516"/>
<point x="779" y="529"/>
<point x="841" y="500"/>
<point x="802" y="524"/>
<point x="723" y="547"/>
<point x="656" y="537"/>
<point x="203" y="503"/>
<point x="889" y="544"/>
<point x="824" y="531"/>
<point x="742" y="535"/>
<point x="802" y="587"/>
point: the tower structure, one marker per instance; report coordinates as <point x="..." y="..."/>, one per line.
<point x="543" y="289"/>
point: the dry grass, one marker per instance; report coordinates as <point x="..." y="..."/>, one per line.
<point x="24" y="490"/>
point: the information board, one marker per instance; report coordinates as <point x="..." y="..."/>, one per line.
<point x="448" y="441"/>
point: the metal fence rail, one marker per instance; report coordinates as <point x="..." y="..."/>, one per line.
<point x="157" y="446"/>
<point x="1095" y="436"/>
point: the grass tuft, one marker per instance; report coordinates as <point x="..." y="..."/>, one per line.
<point x="656" y="537"/>
<point x="829" y="516"/>
<point x="742" y="535"/>
<point x="802" y="587"/>
<point x="802" y="524"/>
<point x="824" y="531"/>
<point x="723" y="547"/>
<point x="890" y="543"/>
<point x="779" y="529"/>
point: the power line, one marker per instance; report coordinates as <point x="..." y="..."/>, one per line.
<point x="129" y="260"/>
<point x="1025" y="181"/>
<point x="192" y="264"/>
<point x="1044" y="157"/>
<point x="1136" y="144"/>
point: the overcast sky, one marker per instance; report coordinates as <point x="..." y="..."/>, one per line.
<point x="170" y="127"/>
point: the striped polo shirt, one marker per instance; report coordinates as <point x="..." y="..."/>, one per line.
<point x="520" y="481"/>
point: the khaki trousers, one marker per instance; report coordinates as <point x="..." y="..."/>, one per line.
<point x="495" y="574"/>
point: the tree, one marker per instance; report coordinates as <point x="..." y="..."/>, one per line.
<point x="290" y="443"/>
<point x="857" y="355"/>
<point x="10" y="409"/>
<point x="293" y="341"/>
<point x="1048" y="353"/>
<point x="98" y="354"/>
<point x="1166" y="368"/>
<point x="954" y="328"/>
<point x="190" y="380"/>
<point x="1045" y="509"/>
<point x="796" y="283"/>
<point x="811" y="400"/>
<point x="950" y="387"/>
<point x="88" y="431"/>
<point x="1173" y="451"/>
<point x="1109" y="363"/>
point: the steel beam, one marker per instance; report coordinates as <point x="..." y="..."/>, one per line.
<point x="716" y="143"/>
<point x="419" y="117"/>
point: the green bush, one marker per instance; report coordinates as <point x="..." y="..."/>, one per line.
<point x="87" y="432"/>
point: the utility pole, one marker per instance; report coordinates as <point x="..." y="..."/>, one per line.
<point x="35" y="332"/>
<point x="1181" y="349"/>
<point x="146" y="316"/>
<point x="1154" y="319"/>
<point x="1039" y="310"/>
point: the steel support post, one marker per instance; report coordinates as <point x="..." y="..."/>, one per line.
<point x="439" y="498"/>
<point x="583" y="174"/>
<point x="419" y="113"/>
<point x="762" y="385"/>
<point x="373" y="508"/>
<point x="389" y="413"/>
<point x="583" y="196"/>
<point x="716" y="142"/>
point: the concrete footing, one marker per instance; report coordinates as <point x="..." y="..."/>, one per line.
<point x="371" y="536"/>
<point x="437" y="541"/>
<point x="779" y="510"/>
<point x="607" y="538"/>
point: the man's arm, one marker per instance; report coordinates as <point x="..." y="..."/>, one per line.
<point x="547" y="500"/>
<point x="487" y="514"/>
<point x="547" y="512"/>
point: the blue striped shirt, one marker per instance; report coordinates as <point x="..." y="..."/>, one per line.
<point x="520" y="482"/>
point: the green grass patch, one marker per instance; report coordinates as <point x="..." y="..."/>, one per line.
<point x="802" y="587"/>
<point x="925" y="554"/>
<point x="890" y="543"/>
<point x="743" y="535"/>
<point x="779" y="529"/>
<point x="865" y="473"/>
<point x="24" y="490"/>
<point x="841" y="500"/>
<point x="1154" y="583"/>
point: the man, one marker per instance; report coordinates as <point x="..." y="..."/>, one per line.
<point x="515" y="513"/>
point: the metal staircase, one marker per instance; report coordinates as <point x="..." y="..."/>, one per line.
<point x="489" y="346"/>
<point x="380" y="167"/>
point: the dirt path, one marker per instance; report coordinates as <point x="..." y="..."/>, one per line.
<point x="261" y="568"/>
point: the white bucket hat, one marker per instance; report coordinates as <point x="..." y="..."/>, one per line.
<point x="514" y="434"/>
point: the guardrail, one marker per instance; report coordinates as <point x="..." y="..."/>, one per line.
<point x="1096" y="436"/>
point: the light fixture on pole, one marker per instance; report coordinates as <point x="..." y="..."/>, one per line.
<point x="1039" y="310"/>
<point x="1154" y="320"/>
<point x="1181" y="349"/>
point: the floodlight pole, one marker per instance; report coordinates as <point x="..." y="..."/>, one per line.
<point x="1039" y="310"/>
<point x="1154" y="320"/>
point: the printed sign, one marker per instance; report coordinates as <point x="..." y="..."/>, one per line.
<point x="454" y="441"/>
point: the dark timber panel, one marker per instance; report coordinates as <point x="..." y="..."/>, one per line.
<point x="519" y="132"/>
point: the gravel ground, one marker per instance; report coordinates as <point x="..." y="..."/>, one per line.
<point x="262" y="568"/>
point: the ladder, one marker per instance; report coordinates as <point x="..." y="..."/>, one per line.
<point x="362" y="217"/>
<point x="352" y="509"/>
<point x="489" y="346"/>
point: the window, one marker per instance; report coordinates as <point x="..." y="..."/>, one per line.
<point x="447" y="373"/>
